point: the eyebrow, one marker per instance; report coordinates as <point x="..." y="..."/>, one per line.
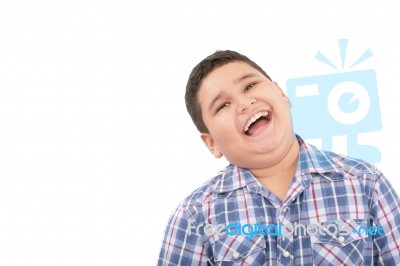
<point x="219" y="96"/>
<point x="250" y="75"/>
<point x="221" y="93"/>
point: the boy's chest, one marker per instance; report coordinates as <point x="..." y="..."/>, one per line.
<point x="295" y="229"/>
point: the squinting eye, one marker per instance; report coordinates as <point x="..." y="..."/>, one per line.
<point x="249" y="87"/>
<point x="222" y="106"/>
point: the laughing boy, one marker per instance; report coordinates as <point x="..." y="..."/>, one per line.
<point x="274" y="178"/>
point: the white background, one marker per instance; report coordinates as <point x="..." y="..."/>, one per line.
<point x="96" y="147"/>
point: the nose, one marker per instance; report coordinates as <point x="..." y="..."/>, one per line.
<point x="244" y="102"/>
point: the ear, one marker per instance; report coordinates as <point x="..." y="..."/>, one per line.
<point x="209" y="142"/>
<point x="276" y="84"/>
<point x="283" y="94"/>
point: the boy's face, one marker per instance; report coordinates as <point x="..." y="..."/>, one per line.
<point x="247" y="116"/>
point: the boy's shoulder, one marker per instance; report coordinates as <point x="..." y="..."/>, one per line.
<point x="356" y="172"/>
<point x="313" y="159"/>
<point x="210" y="190"/>
<point x="223" y="185"/>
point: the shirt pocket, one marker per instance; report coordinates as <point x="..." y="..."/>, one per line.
<point x="341" y="246"/>
<point x="238" y="250"/>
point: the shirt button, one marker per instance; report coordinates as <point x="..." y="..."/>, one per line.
<point x="236" y="255"/>
<point x="286" y="253"/>
<point x="341" y="239"/>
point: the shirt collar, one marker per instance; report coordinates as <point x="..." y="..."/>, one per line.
<point x="311" y="160"/>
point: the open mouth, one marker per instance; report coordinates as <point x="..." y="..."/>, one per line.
<point x="257" y="122"/>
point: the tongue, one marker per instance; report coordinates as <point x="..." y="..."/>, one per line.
<point x="257" y="125"/>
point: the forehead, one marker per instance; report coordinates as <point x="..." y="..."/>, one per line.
<point x="223" y="78"/>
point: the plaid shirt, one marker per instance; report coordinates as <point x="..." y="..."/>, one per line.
<point x="328" y="189"/>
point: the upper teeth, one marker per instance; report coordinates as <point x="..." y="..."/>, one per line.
<point x="253" y="119"/>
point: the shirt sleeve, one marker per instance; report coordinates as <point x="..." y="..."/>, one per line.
<point x="181" y="244"/>
<point x="385" y="211"/>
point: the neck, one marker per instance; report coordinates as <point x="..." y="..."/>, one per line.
<point x="278" y="177"/>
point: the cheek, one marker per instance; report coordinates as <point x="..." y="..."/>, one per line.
<point x="225" y="123"/>
<point x="224" y="130"/>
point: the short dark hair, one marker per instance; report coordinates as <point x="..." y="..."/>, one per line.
<point x="200" y="71"/>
